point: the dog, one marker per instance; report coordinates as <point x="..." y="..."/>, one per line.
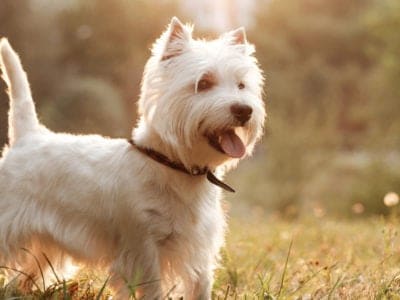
<point x="148" y="209"/>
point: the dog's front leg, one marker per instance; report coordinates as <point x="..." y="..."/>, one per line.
<point x="203" y="285"/>
<point x="137" y="273"/>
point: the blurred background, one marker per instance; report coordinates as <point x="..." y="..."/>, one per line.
<point x="332" y="69"/>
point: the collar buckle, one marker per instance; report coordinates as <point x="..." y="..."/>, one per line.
<point x="195" y="170"/>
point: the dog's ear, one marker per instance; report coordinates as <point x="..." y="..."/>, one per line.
<point x="237" y="37"/>
<point x="175" y="39"/>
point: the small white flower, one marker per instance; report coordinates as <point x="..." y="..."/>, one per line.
<point x="391" y="199"/>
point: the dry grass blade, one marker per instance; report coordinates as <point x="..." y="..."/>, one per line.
<point x="98" y="297"/>
<point x="227" y="292"/>
<point x="38" y="265"/>
<point x="169" y="292"/>
<point x="285" y="269"/>
<point x="22" y="273"/>
<point x="51" y="267"/>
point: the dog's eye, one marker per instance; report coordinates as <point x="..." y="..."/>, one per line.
<point x="241" y="86"/>
<point x="204" y="84"/>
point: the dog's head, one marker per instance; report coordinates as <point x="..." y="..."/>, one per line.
<point x="203" y="99"/>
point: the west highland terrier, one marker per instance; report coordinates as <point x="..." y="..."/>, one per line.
<point x="148" y="209"/>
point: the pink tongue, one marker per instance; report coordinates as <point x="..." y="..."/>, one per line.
<point x="232" y="145"/>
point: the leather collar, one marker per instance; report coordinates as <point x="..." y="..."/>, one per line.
<point x="193" y="171"/>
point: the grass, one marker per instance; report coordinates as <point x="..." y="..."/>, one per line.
<point x="311" y="259"/>
<point x="276" y="259"/>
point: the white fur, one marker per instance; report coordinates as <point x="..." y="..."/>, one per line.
<point x="102" y="202"/>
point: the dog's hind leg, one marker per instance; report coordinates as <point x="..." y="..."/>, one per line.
<point x="37" y="257"/>
<point x="22" y="118"/>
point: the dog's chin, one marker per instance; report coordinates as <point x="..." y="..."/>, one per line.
<point x="230" y="142"/>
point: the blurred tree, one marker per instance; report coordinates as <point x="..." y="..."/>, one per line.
<point x="30" y="32"/>
<point x="382" y="89"/>
<point x="318" y="69"/>
<point x="87" y="105"/>
<point x="97" y="45"/>
<point x="319" y="48"/>
<point x="110" y="39"/>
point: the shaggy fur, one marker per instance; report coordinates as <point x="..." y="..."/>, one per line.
<point x="101" y="202"/>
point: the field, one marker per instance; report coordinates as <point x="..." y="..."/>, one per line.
<point x="311" y="259"/>
<point x="267" y="258"/>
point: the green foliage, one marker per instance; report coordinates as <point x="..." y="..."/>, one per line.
<point x="84" y="105"/>
<point x="331" y="93"/>
<point x="103" y="43"/>
<point x="110" y="39"/>
<point x="26" y="28"/>
<point x="382" y="88"/>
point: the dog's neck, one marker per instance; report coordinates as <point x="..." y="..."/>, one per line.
<point x="153" y="147"/>
<point x="147" y="138"/>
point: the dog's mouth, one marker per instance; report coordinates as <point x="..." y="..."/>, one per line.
<point x="228" y="142"/>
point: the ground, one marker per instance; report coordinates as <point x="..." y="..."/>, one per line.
<point x="270" y="258"/>
<point x="311" y="259"/>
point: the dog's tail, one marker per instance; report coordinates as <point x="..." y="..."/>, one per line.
<point x="22" y="118"/>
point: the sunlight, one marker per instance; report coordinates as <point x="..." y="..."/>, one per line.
<point x="221" y="15"/>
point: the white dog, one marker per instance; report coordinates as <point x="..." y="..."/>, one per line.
<point x="150" y="209"/>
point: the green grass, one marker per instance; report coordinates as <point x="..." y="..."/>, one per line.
<point x="275" y="259"/>
<point x="311" y="259"/>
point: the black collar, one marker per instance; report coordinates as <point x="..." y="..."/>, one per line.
<point x="194" y="171"/>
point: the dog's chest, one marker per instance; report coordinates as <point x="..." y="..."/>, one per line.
<point x="176" y="220"/>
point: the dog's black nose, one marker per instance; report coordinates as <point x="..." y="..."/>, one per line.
<point x="241" y="112"/>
